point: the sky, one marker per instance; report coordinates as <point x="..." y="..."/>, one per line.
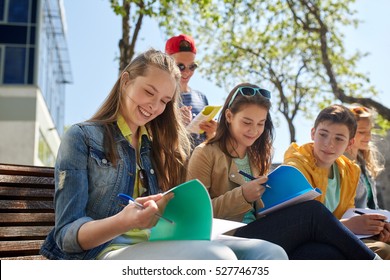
<point x="93" y="32"/>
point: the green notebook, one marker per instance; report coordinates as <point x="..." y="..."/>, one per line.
<point x="190" y="210"/>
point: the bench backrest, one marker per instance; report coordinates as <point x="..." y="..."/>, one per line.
<point x="26" y="210"/>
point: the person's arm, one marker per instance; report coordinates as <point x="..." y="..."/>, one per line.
<point x="131" y="217"/>
<point x="384" y="236"/>
<point x="75" y="231"/>
<point x="186" y="114"/>
<point x="227" y="204"/>
<point x="369" y="223"/>
<point x="209" y="127"/>
<point x="71" y="189"/>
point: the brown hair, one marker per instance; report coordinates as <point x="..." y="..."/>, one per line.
<point x="170" y="143"/>
<point x="260" y="153"/>
<point x="338" y="114"/>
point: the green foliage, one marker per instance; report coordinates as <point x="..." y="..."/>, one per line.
<point x="274" y="43"/>
<point x="166" y="12"/>
<point x="117" y="8"/>
<point x="269" y="43"/>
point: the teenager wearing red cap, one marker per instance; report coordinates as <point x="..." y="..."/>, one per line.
<point x="182" y="49"/>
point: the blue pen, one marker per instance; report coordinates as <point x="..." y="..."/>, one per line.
<point x="249" y="176"/>
<point x="129" y="199"/>
<point x="362" y="213"/>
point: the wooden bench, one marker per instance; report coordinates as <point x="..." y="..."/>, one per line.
<point x="26" y="210"/>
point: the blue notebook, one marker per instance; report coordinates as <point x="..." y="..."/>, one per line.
<point x="288" y="187"/>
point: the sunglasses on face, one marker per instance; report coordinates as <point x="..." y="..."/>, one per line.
<point x="190" y="67"/>
<point x="250" y="91"/>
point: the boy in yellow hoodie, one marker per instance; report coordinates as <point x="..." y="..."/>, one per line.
<point x="325" y="167"/>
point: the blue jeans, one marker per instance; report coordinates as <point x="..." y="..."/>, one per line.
<point x="308" y="231"/>
<point x="231" y="248"/>
<point x="253" y="249"/>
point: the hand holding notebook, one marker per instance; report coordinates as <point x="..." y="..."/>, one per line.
<point x="207" y="114"/>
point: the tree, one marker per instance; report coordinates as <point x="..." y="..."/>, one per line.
<point x="311" y="17"/>
<point x="294" y="47"/>
<point x="266" y="58"/>
<point x="134" y="12"/>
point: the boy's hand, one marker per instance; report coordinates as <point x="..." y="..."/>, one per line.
<point x="186" y="114"/>
<point x="209" y="127"/>
<point x="369" y="223"/>
<point x="384" y="236"/>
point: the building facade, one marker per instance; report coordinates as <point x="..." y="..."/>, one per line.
<point x="34" y="70"/>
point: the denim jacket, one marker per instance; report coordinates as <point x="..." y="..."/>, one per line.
<point x="87" y="185"/>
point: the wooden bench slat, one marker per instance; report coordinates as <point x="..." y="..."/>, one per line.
<point x="26" y="210"/>
<point x="26" y="180"/>
<point x="7" y="218"/>
<point x="25" y="231"/>
<point x="26" y="204"/>
<point x="14" y="169"/>
<point x="6" y="191"/>
<point x="12" y="246"/>
<point x="21" y="250"/>
<point x="22" y="258"/>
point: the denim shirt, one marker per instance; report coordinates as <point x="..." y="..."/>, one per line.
<point x="87" y="185"/>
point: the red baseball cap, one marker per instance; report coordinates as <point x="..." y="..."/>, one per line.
<point x="174" y="44"/>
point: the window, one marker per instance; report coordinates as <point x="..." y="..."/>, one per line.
<point x="1" y="64"/>
<point x="18" y="11"/>
<point x="14" y="66"/>
<point x="2" y="10"/>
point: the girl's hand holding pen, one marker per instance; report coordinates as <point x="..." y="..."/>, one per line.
<point x="378" y="216"/>
<point x="144" y="212"/>
<point x="162" y="203"/>
<point x="250" y="177"/>
<point x="254" y="189"/>
<point x="379" y="223"/>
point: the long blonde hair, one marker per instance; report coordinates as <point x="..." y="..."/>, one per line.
<point x="170" y="143"/>
<point x="369" y="159"/>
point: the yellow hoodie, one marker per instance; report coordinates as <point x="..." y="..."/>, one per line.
<point x="302" y="157"/>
